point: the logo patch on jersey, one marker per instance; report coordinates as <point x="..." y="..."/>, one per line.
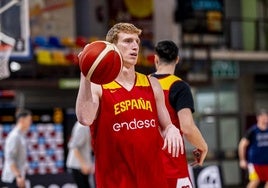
<point x="139" y="104"/>
<point x="113" y="90"/>
<point x="134" y="124"/>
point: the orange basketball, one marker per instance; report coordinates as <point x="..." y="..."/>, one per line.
<point x="100" y="62"/>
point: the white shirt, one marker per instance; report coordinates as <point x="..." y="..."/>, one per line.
<point x="15" y="153"/>
<point x="80" y="140"/>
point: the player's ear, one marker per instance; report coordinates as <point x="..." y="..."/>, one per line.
<point x="156" y="60"/>
<point x="177" y="60"/>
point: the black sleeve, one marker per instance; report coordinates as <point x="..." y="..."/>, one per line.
<point x="180" y="96"/>
<point x="249" y="134"/>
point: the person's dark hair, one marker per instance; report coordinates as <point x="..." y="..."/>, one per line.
<point x="167" y="51"/>
<point x="21" y="113"/>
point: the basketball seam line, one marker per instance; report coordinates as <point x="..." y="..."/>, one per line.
<point x="98" y="60"/>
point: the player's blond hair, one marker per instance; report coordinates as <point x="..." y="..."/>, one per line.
<point x="112" y="35"/>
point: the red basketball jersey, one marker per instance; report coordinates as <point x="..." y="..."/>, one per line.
<point x="126" y="138"/>
<point x="174" y="167"/>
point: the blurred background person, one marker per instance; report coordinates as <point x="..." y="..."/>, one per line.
<point x="253" y="151"/>
<point x="179" y="102"/>
<point x="79" y="159"/>
<point x="16" y="151"/>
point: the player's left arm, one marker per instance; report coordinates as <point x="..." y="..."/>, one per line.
<point x="172" y="137"/>
<point x="181" y="99"/>
<point x="192" y="133"/>
<point x="242" y="152"/>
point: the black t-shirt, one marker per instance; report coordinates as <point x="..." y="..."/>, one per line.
<point x="180" y="95"/>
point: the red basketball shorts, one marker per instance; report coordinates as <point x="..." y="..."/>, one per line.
<point x="258" y="172"/>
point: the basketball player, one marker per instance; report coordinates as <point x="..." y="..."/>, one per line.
<point x="253" y="151"/>
<point x="179" y="102"/>
<point x="14" y="170"/>
<point x="127" y="113"/>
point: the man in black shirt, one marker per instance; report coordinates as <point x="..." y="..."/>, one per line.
<point x="179" y="102"/>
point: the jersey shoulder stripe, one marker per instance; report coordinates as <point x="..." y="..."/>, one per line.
<point x="167" y="82"/>
<point x="142" y="80"/>
<point x="111" y="85"/>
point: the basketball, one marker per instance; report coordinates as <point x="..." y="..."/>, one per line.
<point x="100" y="62"/>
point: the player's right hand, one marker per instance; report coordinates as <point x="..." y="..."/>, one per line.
<point x="83" y="79"/>
<point x="199" y="157"/>
<point x="243" y="164"/>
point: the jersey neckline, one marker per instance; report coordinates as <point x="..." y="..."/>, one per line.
<point x="135" y="82"/>
<point x="160" y="75"/>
